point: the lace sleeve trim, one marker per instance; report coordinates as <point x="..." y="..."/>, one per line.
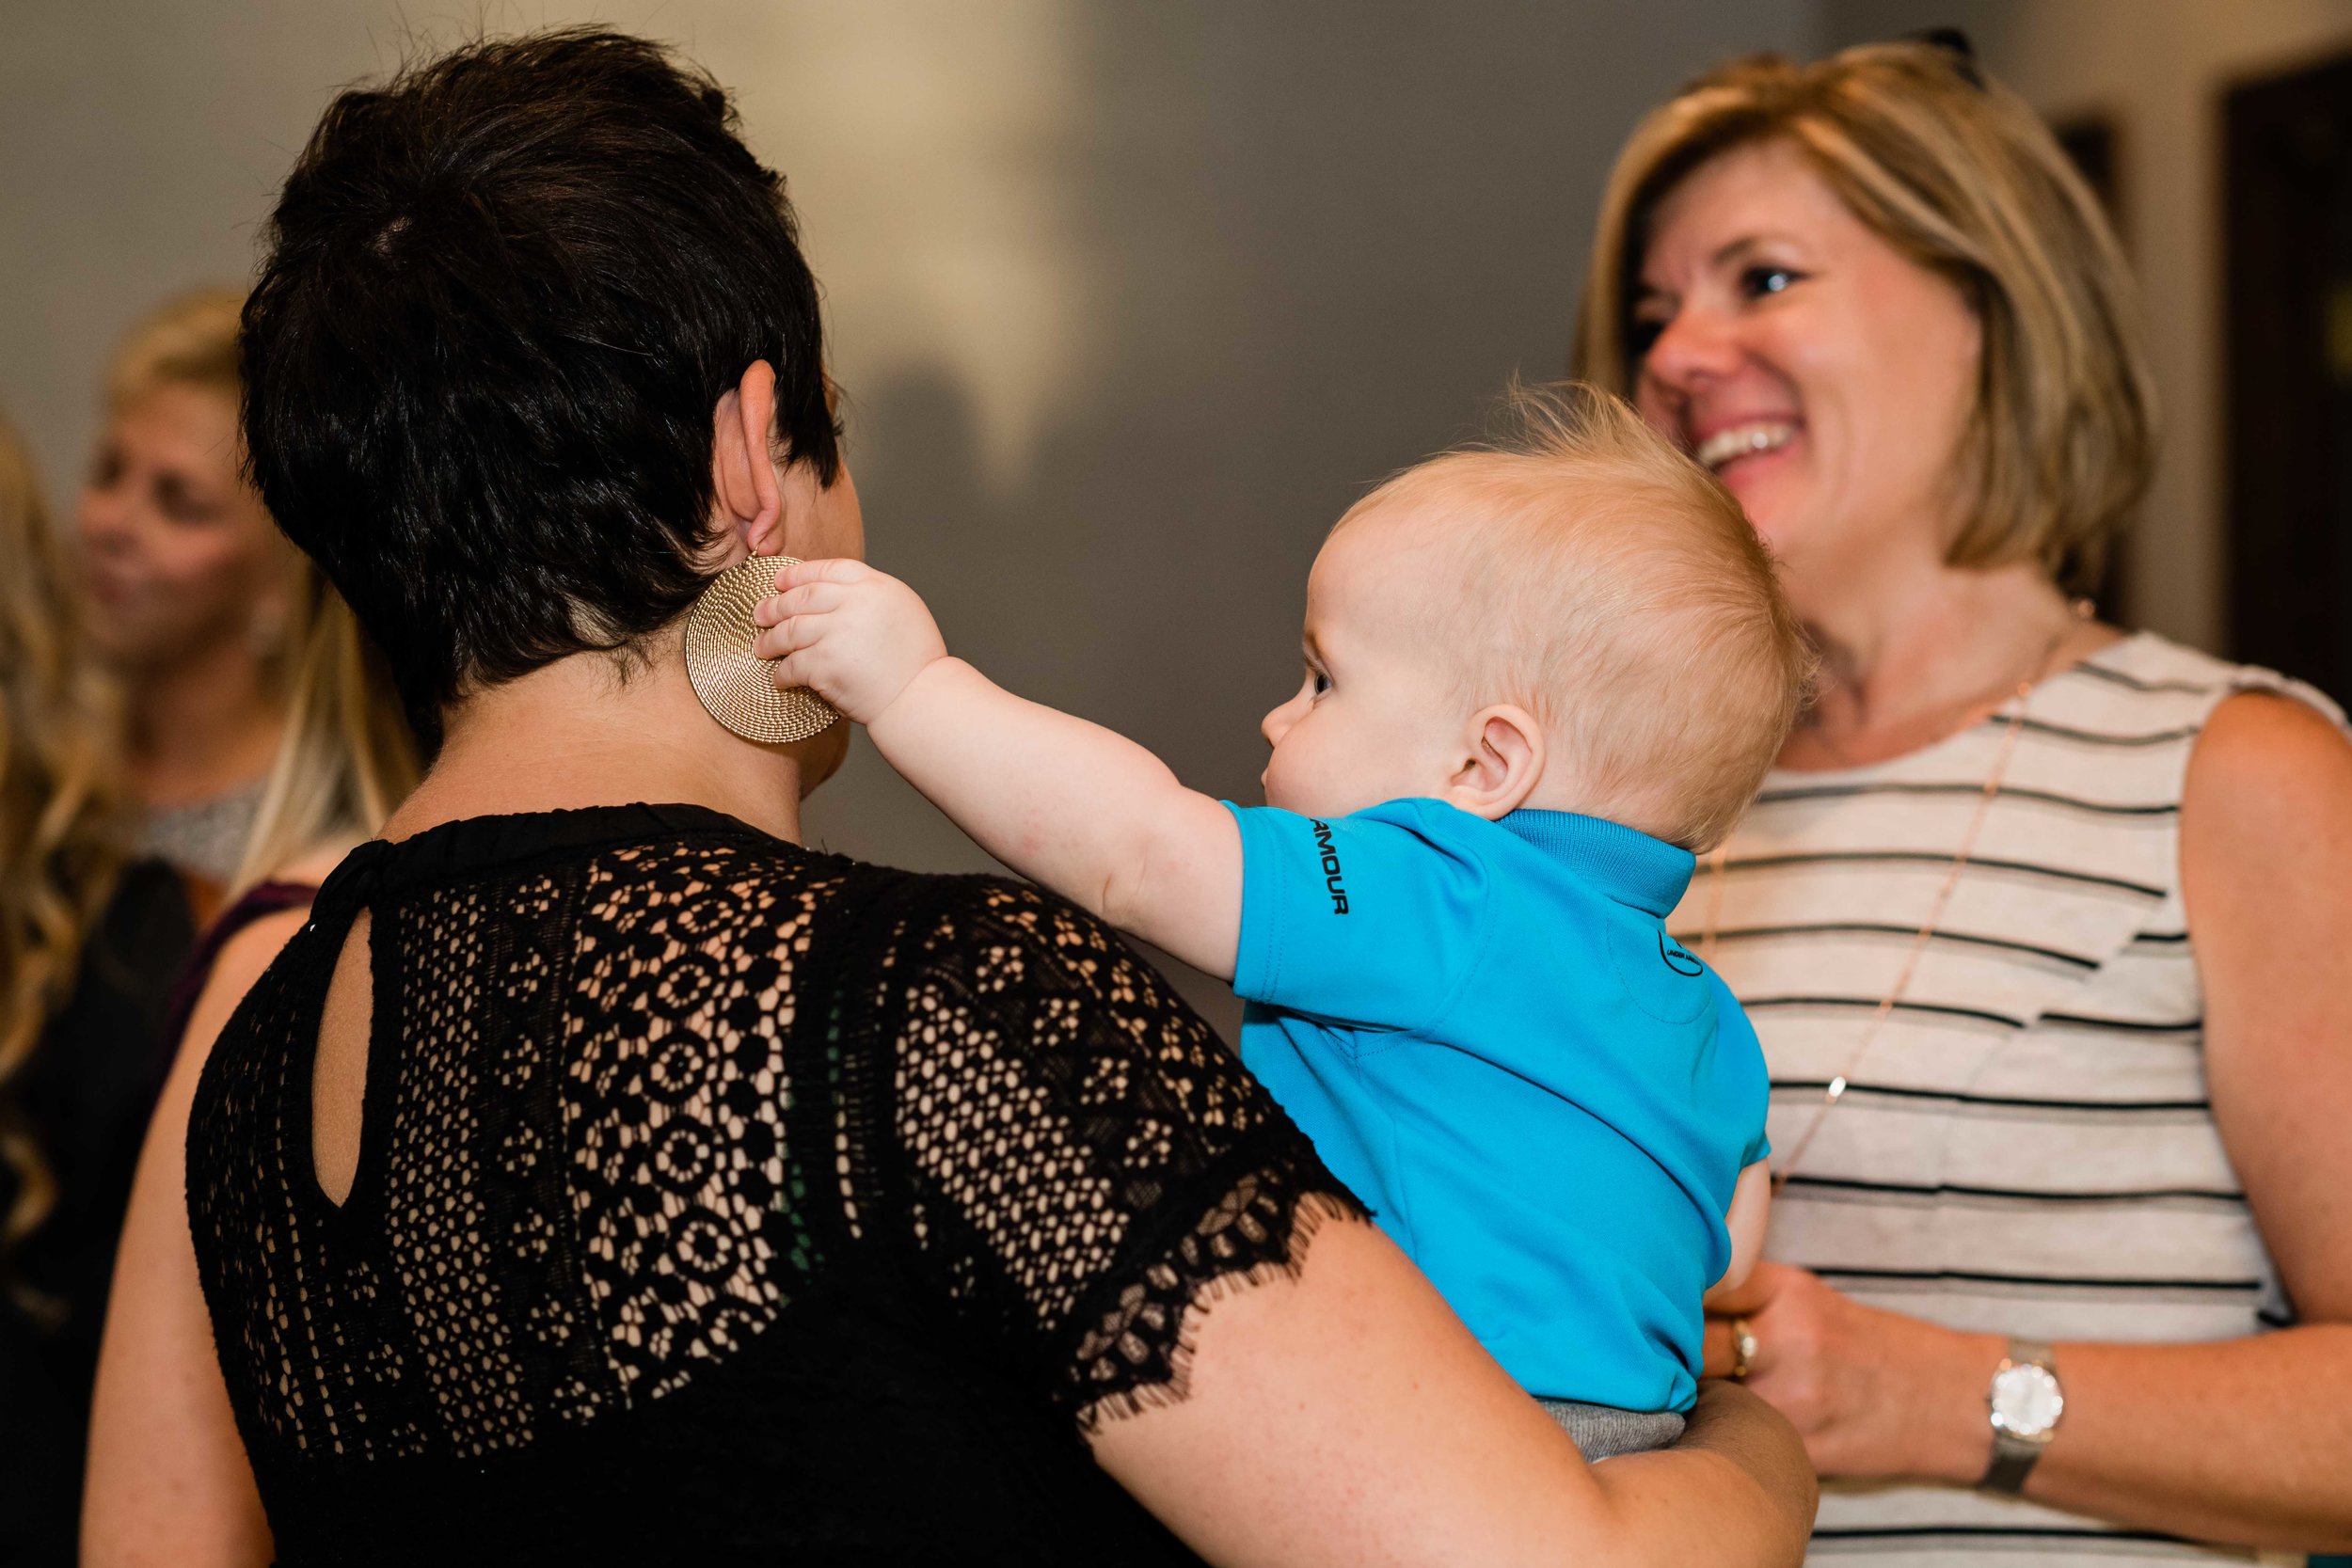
<point x="1085" y="1165"/>
<point x="1136" y="1355"/>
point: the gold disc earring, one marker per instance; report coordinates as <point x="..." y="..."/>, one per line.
<point x="735" y="687"/>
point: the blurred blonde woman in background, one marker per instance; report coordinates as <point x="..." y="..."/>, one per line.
<point x="89" y="939"/>
<point x="346" y="759"/>
<point x="2045" y="926"/>
<point x="190" y="589"/>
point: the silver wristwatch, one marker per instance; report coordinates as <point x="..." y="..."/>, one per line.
<point x="2024" y="1403"/>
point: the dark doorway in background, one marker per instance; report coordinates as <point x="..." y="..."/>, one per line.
<point x="2094" y="144"/>
<point x="2287" y="165"/>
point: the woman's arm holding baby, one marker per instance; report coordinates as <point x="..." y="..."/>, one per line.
<point x="1068" y="803"/>
<point x="1348" y="1417"/>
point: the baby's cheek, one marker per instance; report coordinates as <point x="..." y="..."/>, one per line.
<point x="1281" y="774"/>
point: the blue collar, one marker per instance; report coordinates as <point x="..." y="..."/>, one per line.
<point x="1631" y="868"/>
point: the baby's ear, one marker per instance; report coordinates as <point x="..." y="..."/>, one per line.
<point x="1502" y="763"/>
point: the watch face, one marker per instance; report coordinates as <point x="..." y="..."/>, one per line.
<point x="2027" y="1402"/>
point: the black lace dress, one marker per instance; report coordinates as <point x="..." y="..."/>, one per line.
<point x="720" y="1201"/>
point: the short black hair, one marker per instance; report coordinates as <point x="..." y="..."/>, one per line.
<point x="502" y="293"/>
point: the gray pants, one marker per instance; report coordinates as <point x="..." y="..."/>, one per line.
<point x="1603" y="1430"/>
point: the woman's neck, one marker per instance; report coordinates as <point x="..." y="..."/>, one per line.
<point x="1917" y="661"/>
<point x="200" y="727"/>
<point x="582" y="732"/>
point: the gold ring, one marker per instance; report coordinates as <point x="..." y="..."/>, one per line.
<point x="1743" y="1350"/>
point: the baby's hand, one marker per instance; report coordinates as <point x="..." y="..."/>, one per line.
<point x="855" y="636"/>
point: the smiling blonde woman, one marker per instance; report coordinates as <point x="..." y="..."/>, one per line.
<point x="2043" y="924"/>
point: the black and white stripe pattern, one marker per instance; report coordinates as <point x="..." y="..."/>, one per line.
<point x="2028" y="1147"/>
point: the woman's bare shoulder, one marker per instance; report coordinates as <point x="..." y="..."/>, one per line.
<point x="2267" y="764"/>
<point x="314" y="864"/>
<point x="243" y="959"/>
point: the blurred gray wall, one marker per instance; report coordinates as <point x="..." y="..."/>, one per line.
<point x="1131" y="300"/>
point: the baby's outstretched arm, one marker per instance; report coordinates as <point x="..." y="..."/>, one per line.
<point x="1069" y="805"/>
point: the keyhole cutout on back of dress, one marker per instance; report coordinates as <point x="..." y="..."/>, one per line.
<point x="339" y="1073"/>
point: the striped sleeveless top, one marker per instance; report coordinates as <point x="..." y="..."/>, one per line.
<point x="2028" y="1145"/>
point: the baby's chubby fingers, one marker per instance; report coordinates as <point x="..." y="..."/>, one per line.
<point x="794" y="619"/>
<point x="853" y="635"/>
<point x="834" y="569"/>
<point x="789" y="673"/>
<point x="800" y="581"/>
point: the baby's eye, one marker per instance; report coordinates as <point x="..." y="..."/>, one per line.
<point x="1318" y="680"/>
<point x="1764" y="279"/>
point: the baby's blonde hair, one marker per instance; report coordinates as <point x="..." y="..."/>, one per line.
<point x="1614" y="588"/>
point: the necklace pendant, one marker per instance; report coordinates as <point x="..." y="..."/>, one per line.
<point x="1719" y="858"/>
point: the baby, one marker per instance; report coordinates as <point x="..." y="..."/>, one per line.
<point x="1539" y="677"/>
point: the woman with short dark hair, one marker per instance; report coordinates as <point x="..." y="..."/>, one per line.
<point x="599" y="1175"/>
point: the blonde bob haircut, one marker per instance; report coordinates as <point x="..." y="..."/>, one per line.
<point x="1959" y="175"/>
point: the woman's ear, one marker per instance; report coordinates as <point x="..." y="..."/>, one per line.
<point x="743" y="484"/>
<point x="1501" y="764"/>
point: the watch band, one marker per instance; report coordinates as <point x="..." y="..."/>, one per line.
<point x="2013" y="1462"/>
<point x="2014" y="1457"/>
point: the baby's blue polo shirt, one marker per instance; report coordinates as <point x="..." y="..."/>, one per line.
<point x="1544" y="1097"/>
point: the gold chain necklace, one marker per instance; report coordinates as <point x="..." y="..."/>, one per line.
<point x="1835" y="1090"/>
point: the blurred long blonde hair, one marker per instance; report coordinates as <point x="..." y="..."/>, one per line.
<point x="347" y="757"/>
<point x="64" y="821"/>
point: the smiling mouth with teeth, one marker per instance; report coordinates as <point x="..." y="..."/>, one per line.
<point x="1742" y="440"/>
